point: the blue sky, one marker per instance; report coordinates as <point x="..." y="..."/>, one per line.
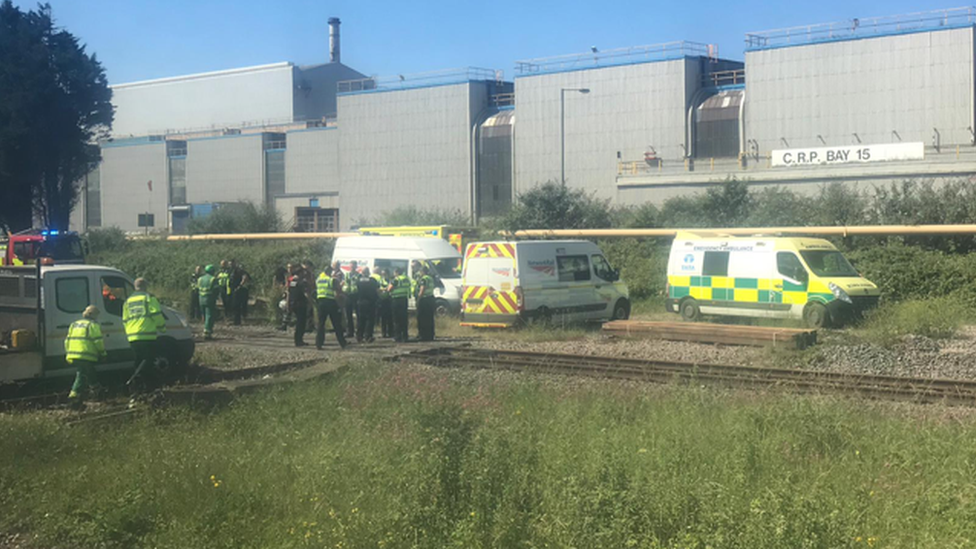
<point x="143" y="39"/>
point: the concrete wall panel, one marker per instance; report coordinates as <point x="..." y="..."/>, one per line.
<point x="225" y="169"/>
<point x="628" y="108"/>
<point x="909" y="84"/>
<point x="214" y="100"/>
<point x="125" y="172"/>
<point x="312" y="161"/>
<point x="406" y="147"/>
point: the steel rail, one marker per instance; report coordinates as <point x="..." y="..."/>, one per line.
<point x="866" y="385"/>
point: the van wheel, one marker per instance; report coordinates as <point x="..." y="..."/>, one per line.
<point x="689" y="310"/>
<point x="441" y="308"/>
<point x="815" y="315"/>
<point x="621" y="310"/>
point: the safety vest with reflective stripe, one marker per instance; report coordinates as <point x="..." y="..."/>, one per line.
<point x="223" y="281"/>
<point x="325" y="287"/>
<point x="427" y="282"/>
<point x="401" y="287"/>
<point x="383" y="285"/>
<point x="351" y="283"/>
<point x="143" y="317"/>
<point x="84" y="341"/>
<point x="205" y="285"/>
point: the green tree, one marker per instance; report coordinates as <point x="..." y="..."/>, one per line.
<point x="555" y="206"/>
<point x="412" y="215"/>
<point x="244" y="217"/>
<point x="55" y="105"/>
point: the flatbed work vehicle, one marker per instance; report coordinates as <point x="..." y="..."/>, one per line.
<point x="33" y="324"/>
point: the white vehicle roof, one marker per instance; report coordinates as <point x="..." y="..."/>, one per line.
<point x="401" y="246"/>
<point x="541" y="243"/>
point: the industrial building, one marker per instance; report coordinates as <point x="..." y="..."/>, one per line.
<point x="865" y="102"/>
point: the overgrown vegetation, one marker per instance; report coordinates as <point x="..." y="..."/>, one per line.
<point x="401" y="457"/>
<point x="412" y="215"/>
<point x="937" y="318"/>
<point x="168" y="265"/>
<point x="242" y="217"/>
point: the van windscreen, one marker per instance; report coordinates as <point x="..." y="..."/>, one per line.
<point x="447" y="268"/>
<point x="828" y="263"/>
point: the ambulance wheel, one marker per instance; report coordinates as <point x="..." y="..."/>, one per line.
<point x="815" y="315"/>
<point x="689" y="310"/>
<point x="621" y="310"/>
<point x="441" y="308"/>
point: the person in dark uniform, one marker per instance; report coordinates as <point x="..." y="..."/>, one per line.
<point x="195" y="312"/>
<point x="327" y="305"/>
<point x="350" y="287"/>
<point x="399" y="290"/>
<point x="298" y="302"/>
<point x="368" y="296"/>
<point x="426" y="305"/>
<point x="238" y="294"/>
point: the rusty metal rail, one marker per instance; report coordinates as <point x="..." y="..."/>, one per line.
<point x="921" y="390"/>
<point x="759" y="336"/>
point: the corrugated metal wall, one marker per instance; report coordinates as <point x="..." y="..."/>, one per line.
<point x="312" y="161"/>
<point x="629" y="108"/>
<point x="124" y="174"/>
<point x="407" y="147"/>
<point x="907" y="84"/>
<point x="225" y="169"/>
<point x="227" y="98"/>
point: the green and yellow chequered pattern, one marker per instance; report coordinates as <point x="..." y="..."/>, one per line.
<point x="747" y="290"/>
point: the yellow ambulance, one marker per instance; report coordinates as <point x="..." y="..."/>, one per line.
<point x="765" y="277"/>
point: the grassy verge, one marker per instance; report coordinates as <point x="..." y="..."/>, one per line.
<point x="405" y="457"/>
<point x="937" y="318"/>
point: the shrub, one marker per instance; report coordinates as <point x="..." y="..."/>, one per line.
<point x="555" y="206"/>
<point x="106" y="239"/>
<point x="937" y="318"/>
<point x="412" y="215"/>
<point x="642" y="264"/>
<point x="244" y="217"/>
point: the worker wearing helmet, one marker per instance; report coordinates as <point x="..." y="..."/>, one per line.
<point x="207" y="291"/>
<point x="144" y="320"/>
<point x="83" y="348"/>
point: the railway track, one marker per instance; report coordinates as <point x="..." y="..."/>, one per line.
<point x="922" y="390"/>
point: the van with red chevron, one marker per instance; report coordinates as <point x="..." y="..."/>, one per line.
<point x="505" y="283"/>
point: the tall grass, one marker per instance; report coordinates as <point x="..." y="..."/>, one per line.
<point x="406" y="457"/>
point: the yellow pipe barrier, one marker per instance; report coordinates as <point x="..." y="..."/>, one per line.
<point x="862" y="230"/>
<point x="256" y="236"/>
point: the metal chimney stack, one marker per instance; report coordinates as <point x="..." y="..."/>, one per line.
<point x="334" y="39"/>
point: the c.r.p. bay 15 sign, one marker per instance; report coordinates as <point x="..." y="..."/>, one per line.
<point x="845" y="155"/>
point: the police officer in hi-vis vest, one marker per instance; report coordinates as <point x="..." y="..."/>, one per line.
<point x="399" y="289"/>
<point x="144" y="320"/>
<point x="327" y="307"/>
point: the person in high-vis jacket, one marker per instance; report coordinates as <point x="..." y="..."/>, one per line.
<point x="144" y="321"/>
<point x="223" y="283"/>
<point x="350" y="287"/>
<point x="399" y="290"/>
<point x="384" y="307"/>
<point x="83" y="348"/>
<point x="327" y="307"/>
<point x="207" y="294"/>
<point x="425" y="305"/>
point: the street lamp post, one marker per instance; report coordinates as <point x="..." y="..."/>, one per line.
<point x="562" y="129"/>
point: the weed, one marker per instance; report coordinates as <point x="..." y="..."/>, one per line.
<point x="937" y="318"/>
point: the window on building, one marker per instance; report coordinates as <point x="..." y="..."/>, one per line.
<point x="177" y="180"/>
<point x="93" y="198"/>
<point x="316" y="220"/>
<point x="716" y="264"/>
<point x="573" y="268"/>
<point x="274" y="173"/>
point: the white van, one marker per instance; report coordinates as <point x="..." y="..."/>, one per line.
<point x="390" y="252"/>
<point x="765" y="277"/>
<point x="66" y="291"/>
<point x="566" y="280"/>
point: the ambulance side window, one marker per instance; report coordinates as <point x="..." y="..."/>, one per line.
<point x="715" y="264"/>
<point x="789" y="266"/>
